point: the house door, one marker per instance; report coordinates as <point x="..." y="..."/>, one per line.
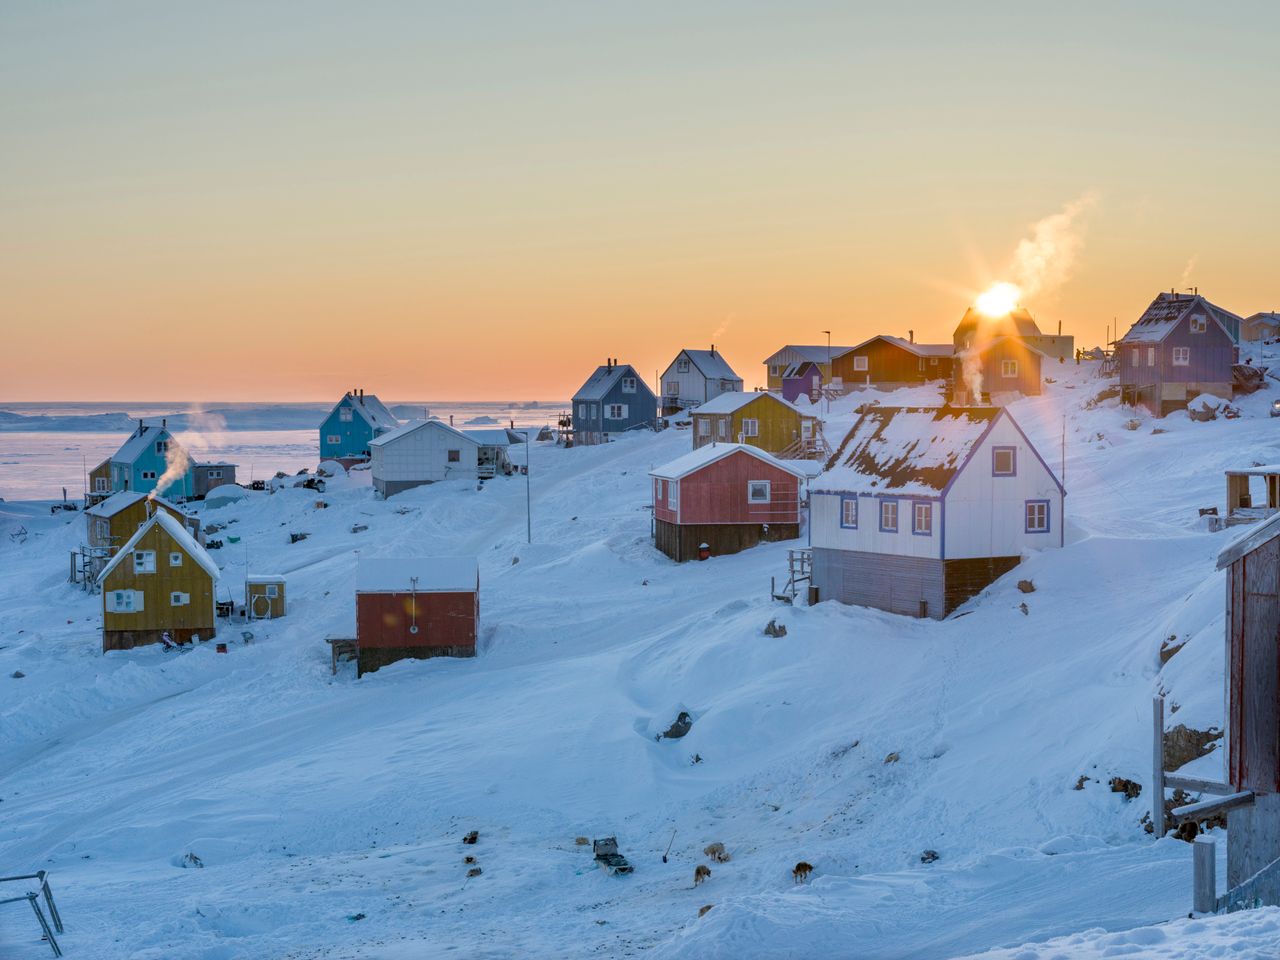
<point x="806" y="429"/>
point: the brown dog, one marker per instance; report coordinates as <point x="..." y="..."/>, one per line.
<point x="702" y="873"/>
<point x="801" y="872"/>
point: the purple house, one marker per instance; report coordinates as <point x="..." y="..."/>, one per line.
<point x="1180" y="347"/>
<point x="801" y="380"/>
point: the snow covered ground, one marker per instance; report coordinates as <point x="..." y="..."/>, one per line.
<point x="328" y="812"/>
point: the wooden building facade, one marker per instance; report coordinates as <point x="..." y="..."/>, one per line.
<point x="889" y="362"/>
<point x="694" y="377"/>
<point x="727" y="496"/>
<point x="416" y="608"/>
<point x="999" y="372"/>
<point x="111" y="523"/>
<point x="264" y="596"/>
<point x="353" y="422"/>
<point x="777" y="365"/>
<point x="758" y="419"/>
<point x="420" y="452"/>
<point x="613" y="400"/>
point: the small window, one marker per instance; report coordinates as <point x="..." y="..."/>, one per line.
<point x="673" y="495"/>
<point x="215" y="474"/>
<point x="1004" y="461"/>
<point x="1037" y="516"/>
<point x="148" y="474"/>
<point x="849" y="513"/>
<point x="345" y="414"/>
<point x="179" y="599"/>
<point x="1008" y="368"/>
<point x="162" y="447"/>
<point x="889" y="516"/>
<point x="750" y="427"/>
<point x="758" y="491"/>
<point x="860" y="363"/>
<point x="333" y="439"/>
<point x="582" y="409"/>
<point x="1135" y="357"/>
<point x="175" y="559"/>
<point x="920" y="365"/>
<point x="657" y="490"/>
<point x="100" y="484"/>
<point x="703" y="426"/>
<point x="673" y="388"/>
<point x="124" y="601"/>
<point x="776" y="369"/>
<point x="922" y="520"/>
<point x="1151" y="356"/>
<point x="617" y="411"/>
<point x="272" y="591"/>
<point x="722" y="427"/>
<point x="682" y="366"/>
<point x="933" y="361"/>
<point x="628" y="384"/>
<point x="1199" y="323"/>
<point x="1182" y="356"/>
<point x="144" y="561"/>
<point x="455" y="456"/>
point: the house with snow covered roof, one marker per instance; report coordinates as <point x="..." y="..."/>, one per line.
<point x="977" y="328"/>
<point x="888" y="362"/>
<point x="419" y="452"/>
<point x="112" y="522"/>
<point x="758" y="419"/>
<point x="354" y="421"/>
<point x="1260" y="327"/>
<point x="141" y="463"/>
<point x="614" y="400"/>
<point x="723" y="498"/>
<point x="416" y="607"/>
<point x="920" y="508"/>
<point x="786" y="361"/>
<point x="696" y="376"/>
<point x="1181" y="346"/>
<point x="996" y="371"/>
<point x="159" y="586"/>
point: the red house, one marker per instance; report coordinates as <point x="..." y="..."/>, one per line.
<point x="416" y="607"/>
<point x="728" y="496"/>
<point x="1000" y="370"/>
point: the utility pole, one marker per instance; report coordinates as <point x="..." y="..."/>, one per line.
<point x="826" y="393"/>
<point x="528" y="497"/>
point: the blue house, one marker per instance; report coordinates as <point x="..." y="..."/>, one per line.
<point x="351" y="424"/>
<point x="141" y="463"/>
<point x="1182" y="346"/>
<point x="614" y="399"/>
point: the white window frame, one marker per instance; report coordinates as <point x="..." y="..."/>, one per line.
<point x="673" y="495"/>
<point x="722" y="428"/>
<point x="1182" y="356"/>
<point x="752" y="486"/>
<point x="682" y="366"/>
<point x="860" y="364"/>
<point x="175" y="558"/>
<point x="271" y="591"/>
<point x="1151" y="356"/>
<point x="922" y="509"/>
<point x="703" y="426"/>
<point x="750" y="427"/>
<point x="148" y="561"/>
<point x="346" y="414"/>
<point x="777" y="369"/>
<point x="1040" y="509"/>
<point x="215" y="475"/>
<point x="891" y="506"/>
<point x="148" y="474"/>
<point x="616" y="411"/>
<point x="1135" y="357"/>
<point x="673" y="388"/>
<point x="179" y="599"/>
<point x="1199" y="323"/>
<point x="126" y="601"/>
<point x="100" y="484"/>
<point x="849" y="517"/>
<point x="1008" y="369"/>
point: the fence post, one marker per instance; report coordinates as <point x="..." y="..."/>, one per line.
<point x="1157" y="767"/>
<point x="1204" y="896"/>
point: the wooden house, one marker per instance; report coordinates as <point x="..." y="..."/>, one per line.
<point x="264" y="596"/>
<point x="159" y="586"/>
<point x="99" y="485"/>
<point x="1181" y="346"/>
<point x="694" y="377"/>
<point x="421" y="451"/>
<point x="779" y="364"/>
<point x="890" y="362"/>
<point x="206" y="476"/>
<point x="110" y="524"/>
<point x="141" y="463"/>
<point x="354" y="421"/>
<point x="757" y="419"/>
<point x="416" y="608"/>
<point x="999" y="371"/>
<point x="976" y="328"/>
<point x="492" y="455"/>
<point x="802" y="380"/>
<point x="614" y="400"/>
<point x="728" y="496"/>
<point x="921" y="508"/>
<point x="1260" y="327"/>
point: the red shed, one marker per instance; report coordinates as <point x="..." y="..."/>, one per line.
<point x="729" y="496"/>
<point x="416" y="607"/>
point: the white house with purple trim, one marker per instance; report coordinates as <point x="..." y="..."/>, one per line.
<point x="921" y="508"/>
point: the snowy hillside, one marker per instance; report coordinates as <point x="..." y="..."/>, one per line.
<point x="327" y="813"/>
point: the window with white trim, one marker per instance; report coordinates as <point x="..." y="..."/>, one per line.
<point x="1037" y="516"/>
<point x="673" y="388"/>
<point x="215" y="474"/>
<point x="175" y="559"/>
<point x="345" y="414"/>
<point x="99" y="484"/>
<point x="673" y="495"/>
<point x="682" y="366"/>
<point x="933" y="361"/>
<point x="333" y="439"/>
<point x="617" y="411"/>
<point x="1182" y="356"/>
<point x="860" y="364"/>
<point x="628" y="384"/>
<point x="124" y="601"/>
<point x="177" y="599"/>
<point x="922" y="519"/>
<point x="777" y="369"/>
<point x="758" y="491"/>
<point x="1008" y="368"/>
<point x="849" y="513"/>
<point x="1199" y="323"/>
<point x="722" y="427"/>
<point x="102" y="527"/>
<point x="703" y="426"/>
<point x="1135" y="357"/>
<point x="889" y="516"/>
<point x="144" y="561"/>
<point x="162" y="447"/>
<point x="272" y="591"/>
<point x="750" y="427"/>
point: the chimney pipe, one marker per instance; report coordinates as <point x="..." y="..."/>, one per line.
<point x="713" y="349"/>
<point x="1059" y="328"/>
<point x="911" y="336"/>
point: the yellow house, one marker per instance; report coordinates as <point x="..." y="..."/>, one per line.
<point x="758" y="419"/>
<point x="159" y="586"/>
<point x="111" y="523"/>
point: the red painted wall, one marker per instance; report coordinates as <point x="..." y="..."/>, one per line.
<point x="717" y="493"/>
<point x="443" y="619"/>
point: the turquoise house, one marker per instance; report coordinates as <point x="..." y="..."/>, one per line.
<point x="351" y="424"/>
<point x="141" y="462"/>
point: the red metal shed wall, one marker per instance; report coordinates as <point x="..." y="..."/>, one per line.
<point x="443" y="619"/>
<point x="717" y="493"/>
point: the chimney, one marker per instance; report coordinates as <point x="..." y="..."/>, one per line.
<point x="713" y="349"/>
<point x="1059" y="328"/>
<point x="911" y="336"/>
<point x="164" y="422"/>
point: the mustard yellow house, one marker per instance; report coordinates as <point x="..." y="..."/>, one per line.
<point x="758" y="419"/>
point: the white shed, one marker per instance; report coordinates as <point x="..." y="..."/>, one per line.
<point x="924" y="507"/>
<point x="421" y="451"/>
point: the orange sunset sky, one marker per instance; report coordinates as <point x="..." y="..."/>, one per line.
<point x="275" y="201"/>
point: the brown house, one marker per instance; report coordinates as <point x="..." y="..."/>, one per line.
<point x="1000" y="370"/>
<point x="892" y="362"/>
<point x="111" y="523"/>
<point x="416" y="607"/>
<point x="159" y="586"/>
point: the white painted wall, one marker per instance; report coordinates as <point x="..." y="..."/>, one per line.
<point x="694" y="387"/>
<point x="826" y="530"/>
<point x="423" y="455"/>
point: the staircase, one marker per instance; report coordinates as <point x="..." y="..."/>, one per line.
<point x="808" y="448"/>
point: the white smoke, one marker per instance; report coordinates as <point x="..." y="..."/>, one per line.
<point x="971" y="371"/>
<point x="1044" y="260"/>
<point x="203" y="430"/>
<point x="721" y="330"/>
<point x="1185" y="280"/>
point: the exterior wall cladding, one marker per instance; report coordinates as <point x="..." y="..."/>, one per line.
<point x="913" y="586"/>
<point x="446" y="626"/>
<point x="1148" y="375"/>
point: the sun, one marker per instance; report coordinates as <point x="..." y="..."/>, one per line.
<point x="998" y="299"/>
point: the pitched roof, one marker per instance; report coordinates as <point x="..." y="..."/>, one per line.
<point x="1253" y="538"/>
<point x="125" y="498"/>
<point x="179" y="535"/>
<point x="139" y="441"/>
<point x="434" y="575"/>
<point x="414" y="425"/>
<point x="710" y="364"/>
<point x="816" y="353"/>
<point x="919" y="349"/>
<point x="1166" y="313"/>
<point x="602" y="381"/>
<point x="496" y="436"/>
<point x="907" y="450"/>
<point x="1017" y="322"/>
<point x="1268" y="317"/>
<point x="371" y="410"/>
<point x="986" y="345"/>
<point x="732" y="402"/>
<point x="687" y="463"/>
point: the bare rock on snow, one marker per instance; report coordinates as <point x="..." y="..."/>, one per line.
<point x="683" y="723"/>
<point x="1182" y="744"/>
<point x="1025" y="610"/>
<point x="1026" y="586"/>
<point x="893" y="757"/>
<point x="17" y="674"/>
<point x="1130" y="788"/>
<point x="929" y="856"/>
<point x="1169" y="647"/>
<point x="775" y="629"/>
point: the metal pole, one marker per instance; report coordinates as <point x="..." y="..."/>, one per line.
<point x="1157" y="768"/>
<point x="528" y="497"/>
<point x="827" y="391"/>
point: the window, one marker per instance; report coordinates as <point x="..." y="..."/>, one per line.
<point x="148" y="474"/>
<point x="1004" y="461"/>
<point x="125" y="601"/>
<point x="455" y="456"/>
<point x="657" y="490"/>
<point x="922" y="520"/>
<point x="179" y="599"/>
<point x="345" y="414"/>
<point x="758" y="491"/>
<point x="1135" y="357"/>
<point x="144" y="561"/>
<point x="722" y="428"/>
<point x="673" y="388"/>
<point x="215" y="474"/>
<point x="933" y="361"/>
<point x="1199" y="323"/>
<point x="1008" y="368"/>
<point x="860" y="363"/>
<point x="703" y="426"/>
<point x="617" y="411"/>
<point x="1151" y="356"/>
<point x="333" y="439"/>
<point x="175" y="559"/>
<point x="582" y="409"/>
<point x="889" y="516"/>
<point x="750" y="427"/>
<point x="100" y="484"/>
<point x="682" y="366"/>
<point x="628" y="384"/>
<point x="162" y="447"/>
<point x="776" y="369"/>
<point x="920" y="365"/>
<point x="1037" y="516"/>
<point x="1182" y="356"/>
<point x="272" y="591"/>
<point x="673" y="495"/>
<point x="849" y="513"/>
<point x="103" y="528"/>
